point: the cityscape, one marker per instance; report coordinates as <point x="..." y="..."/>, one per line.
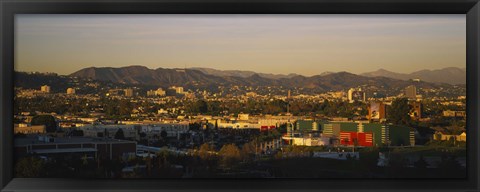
<point x="138" y="121"/>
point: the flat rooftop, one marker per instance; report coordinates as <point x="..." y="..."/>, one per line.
<point x="34" y="139"/>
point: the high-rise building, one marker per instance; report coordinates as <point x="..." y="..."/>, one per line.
<point x="411" y="92"/>
<point x="70" y="91"/>
<point x="179" y="90"/>
<point x="128" y="92"/>
<point x="45" y="89"/>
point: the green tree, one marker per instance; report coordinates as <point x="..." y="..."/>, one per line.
<point x="421" y="163"/>
<point x="230" y="155"/>
<point x="200" y="106"/>
<point x="248" y="150"/>
<point x="164" y="134"/>
<point x="119" y="134"/>
<point x="205" y="151"/>
<point x="125" y="107"/>
<point x="29" y="167"/>
<point x="47" y="120"/>
<point x="398" y="113"/>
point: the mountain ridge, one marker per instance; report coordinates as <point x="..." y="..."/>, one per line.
<point x="455" y="75"/>
<point x="196" y="78"/>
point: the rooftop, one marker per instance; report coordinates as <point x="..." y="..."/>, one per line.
<point x="34" y="139"/>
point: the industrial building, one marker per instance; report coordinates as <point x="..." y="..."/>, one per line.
<point x="352" y="133"/>
<point x="59" y="146"/>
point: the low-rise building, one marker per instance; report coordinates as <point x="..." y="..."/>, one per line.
<point x="84" y="146"/>
<point x="440" y="136"/>
<point x="29" y="129"/>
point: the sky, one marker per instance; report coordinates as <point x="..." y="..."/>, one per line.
<point x="278" y="44"/>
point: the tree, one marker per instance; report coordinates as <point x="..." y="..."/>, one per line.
<point x="421" y="163"/>
<point x="29" y="167"/>
<point x="164" y="134"/>
<point x="247" y="150"/>
<point x="47" y="120"/>
<point x="398" y="113"/>
<point x="205" y="150"/>
<point x="125" y="107"/>
<point x="119" y="134"/>
<point x="230" y="155"/>
<point x="200" y="106"/>
<point x="77" y="133"/>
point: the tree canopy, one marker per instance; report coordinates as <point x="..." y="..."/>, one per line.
<point x="47" y="120"/>
<point x="119" y="134"/>
<point x="398" y="113"/>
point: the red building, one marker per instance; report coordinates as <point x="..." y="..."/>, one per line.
<point x="267" y="128"/>
<point x="361" y="139"/>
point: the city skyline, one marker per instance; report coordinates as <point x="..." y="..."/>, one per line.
<point x="302" y="44"/>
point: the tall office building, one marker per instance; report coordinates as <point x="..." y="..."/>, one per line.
<point x="179" y="90"/>
<point x="411" y="92"/>
<point x="356" y="95"/>
<point x="128" y="92"/>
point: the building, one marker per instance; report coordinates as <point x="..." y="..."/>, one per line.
<point x="243" y="117"/>
<point x="80" y="146"/>
<point x="177" y="90"/>
<point x="311" y="141"/>
<point x="160" y="92"/>
<point x="304" y="126"/>
<point x="449" y="113"/>
<point x="369" y="134"/>
<point x="411" y="92"/>
<point x="25" y="129"/>
<point x="45" y="89"/>
<point x="351" y="134"/>
<point x="109" y="131"/>
<point x="356" y="95"/>
<point x="128" y="92"/>
<point x="440" y="136"/>
<point x="70" y="91"/>
<point x="131" y="130"/>
<point x="151" y="93"/>
<point x="376" y="111"/>
<point x="173" y="130"/>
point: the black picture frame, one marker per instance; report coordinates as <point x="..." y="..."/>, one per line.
<point x="11" y="7"/>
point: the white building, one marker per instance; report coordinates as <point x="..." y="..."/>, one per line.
<point x="356" y="94"/>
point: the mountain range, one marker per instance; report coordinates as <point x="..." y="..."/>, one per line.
<point x="207" y="78"/>
<point x="239" y="73"/>
<point x="450" y="75"/>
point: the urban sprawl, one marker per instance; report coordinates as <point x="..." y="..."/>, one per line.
<point x="238" y="132"/>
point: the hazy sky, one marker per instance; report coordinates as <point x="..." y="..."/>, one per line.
<point x="280" y="44"/>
